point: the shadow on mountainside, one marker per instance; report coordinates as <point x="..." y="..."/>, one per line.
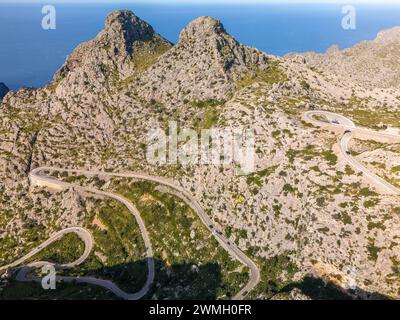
<point x="318" y="289"/>
<point x="180" y="281"/>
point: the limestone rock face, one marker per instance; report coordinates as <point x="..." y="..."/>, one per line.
<point x="370" y="63"/>
<point x="3" y="90"/>
<point x="109" y="54"/>
<point x="203" y="65"/>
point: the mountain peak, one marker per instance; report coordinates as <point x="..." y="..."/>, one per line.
<point x="112" y="52"/>
<point x="124" y="24"/>
<point x="203" y="26"/>
<point x="205" y="64"/>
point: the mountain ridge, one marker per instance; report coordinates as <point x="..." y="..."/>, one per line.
<point x="373" y="63"/>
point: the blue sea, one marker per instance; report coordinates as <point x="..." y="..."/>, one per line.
<point x="29" y="55"/>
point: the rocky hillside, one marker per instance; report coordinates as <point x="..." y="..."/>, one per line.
<point x="370" y="63"/>
<point x="205" y="64"/>
<point x="115" y="52"/>
<point x="303" y="204"/>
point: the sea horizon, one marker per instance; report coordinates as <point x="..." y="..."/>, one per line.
<point x="30" y="56"/>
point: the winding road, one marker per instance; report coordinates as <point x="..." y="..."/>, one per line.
<point x="336" y="122"/>
<point x="39" y="178"/>
<point x="83" y="234"/>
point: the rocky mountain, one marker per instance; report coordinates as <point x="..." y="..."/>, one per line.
<point x="205" y="64"/>
<point x="304" y="204"/>
<point x="3" y="90"/>
<point x="115" y="52"/>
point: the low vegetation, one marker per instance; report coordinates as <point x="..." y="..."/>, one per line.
<point x="191" y="264"/>
<point x="273" y="74"/>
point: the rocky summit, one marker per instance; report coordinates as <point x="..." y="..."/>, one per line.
<point x="306" y="217"/>
<point x="111" y="53"/>
<point x="205" y="64"/>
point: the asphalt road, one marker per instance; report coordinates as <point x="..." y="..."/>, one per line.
<point x="348" y="127"/>
<point x="38" y="176"/>
<point x="85" y="236"/>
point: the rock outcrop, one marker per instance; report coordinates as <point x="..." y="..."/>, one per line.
<point x="112" y="54"/>
<point x="204" y="64"/>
